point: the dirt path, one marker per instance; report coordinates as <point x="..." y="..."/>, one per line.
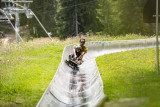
<point x="9" y="37"/>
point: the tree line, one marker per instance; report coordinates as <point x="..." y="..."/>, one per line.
<point x="108" y="17"/>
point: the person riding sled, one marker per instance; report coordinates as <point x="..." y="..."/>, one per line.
<point x="79" y="50"/>
<point x="75" y="59"/>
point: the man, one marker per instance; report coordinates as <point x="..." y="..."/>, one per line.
<point x="75" y="58"/>
<point x="83" y="49"/>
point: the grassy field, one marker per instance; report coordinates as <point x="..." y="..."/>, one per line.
<point x="131" y="74"/>
<point x="26" y="69"/>
<point x="116" y="38"/>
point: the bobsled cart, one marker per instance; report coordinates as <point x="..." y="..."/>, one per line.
<point x="73" y="64"/>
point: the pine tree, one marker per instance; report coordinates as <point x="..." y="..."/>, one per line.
<point x="86" y="16"/>
<point x="45" y="10"/>
<point x="123" y="16"/>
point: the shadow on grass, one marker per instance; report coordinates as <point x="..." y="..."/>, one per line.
<point x="141" y="84"/>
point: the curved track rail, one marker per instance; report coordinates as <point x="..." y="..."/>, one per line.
<point x="63" y="89"/>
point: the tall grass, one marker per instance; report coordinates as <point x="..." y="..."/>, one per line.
<point x="26" y="70"/>
<point x="131" y="74"/>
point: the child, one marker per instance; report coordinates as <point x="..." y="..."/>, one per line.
<point x="76" y="55"/>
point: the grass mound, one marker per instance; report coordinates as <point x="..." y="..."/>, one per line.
<point x="131" y="74"/>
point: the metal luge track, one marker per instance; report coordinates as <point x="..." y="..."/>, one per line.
<point x="63" y="89"/>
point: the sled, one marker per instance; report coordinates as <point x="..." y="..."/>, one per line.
<point x="72" y="64"/>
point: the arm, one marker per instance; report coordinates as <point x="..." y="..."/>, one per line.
<point x="80" y="57"/>
<point x="83" y="52"/>
<point x="74" y="52"/>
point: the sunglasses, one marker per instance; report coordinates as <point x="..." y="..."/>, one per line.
<point x="81" y="42"/>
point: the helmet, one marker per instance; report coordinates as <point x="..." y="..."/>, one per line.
<point x="78" y="47"/>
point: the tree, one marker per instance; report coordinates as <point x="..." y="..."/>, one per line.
<point x="86" y="16"/>
<point x="123" y="16"/>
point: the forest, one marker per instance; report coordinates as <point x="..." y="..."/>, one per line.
<point x="98" y="17"/>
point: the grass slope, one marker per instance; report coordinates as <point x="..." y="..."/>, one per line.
<point x="26" y="71"/>
<point x="131" y="74"/>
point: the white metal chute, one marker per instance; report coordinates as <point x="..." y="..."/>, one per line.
<point x="60" y="93"/>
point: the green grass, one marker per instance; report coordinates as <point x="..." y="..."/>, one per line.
<point x="116" y="38"/>
<point x="131" y="74"/>
<point x="27" y="69"/>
